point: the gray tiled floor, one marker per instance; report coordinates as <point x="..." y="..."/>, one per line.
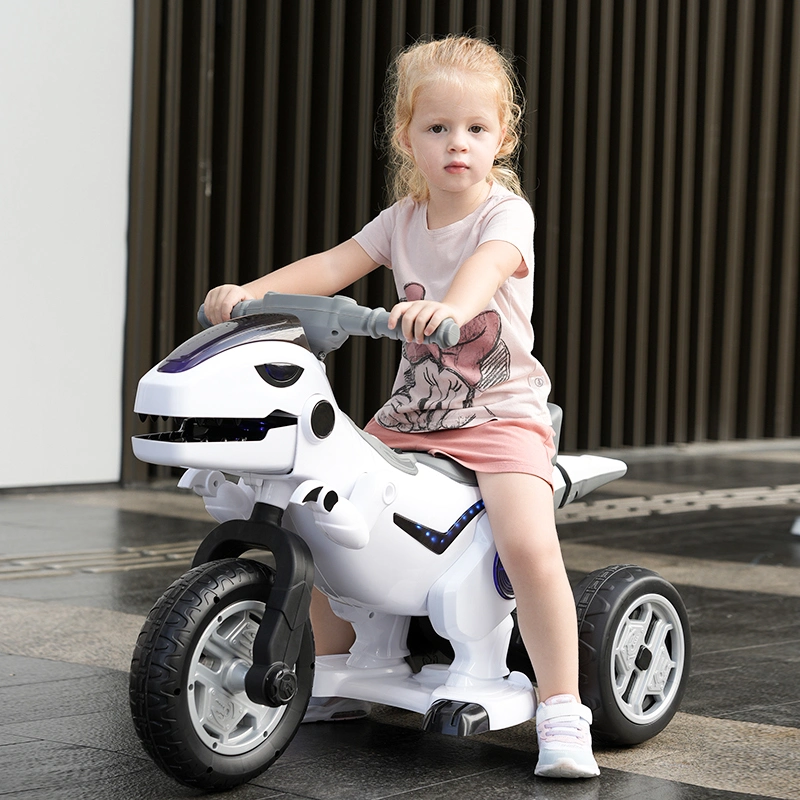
<point x="75" y="584"/>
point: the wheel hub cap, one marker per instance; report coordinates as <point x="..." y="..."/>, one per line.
<point x="647" y="658"/>
<point x="225" y="719"/>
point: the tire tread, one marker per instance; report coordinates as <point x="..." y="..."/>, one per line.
<point x="162" y="650"/>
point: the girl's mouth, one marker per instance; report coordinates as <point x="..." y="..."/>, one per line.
<point x="456" y="167"/>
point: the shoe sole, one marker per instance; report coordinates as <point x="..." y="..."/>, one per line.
<point x="566" y="768"/>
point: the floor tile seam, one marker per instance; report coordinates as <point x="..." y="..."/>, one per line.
<point x="762" y="707"/>
<point x="20" y="740"/>
<point x="89" y="780"/>
<point x="661" y="523"/>
<point x="69" y="573"/>
<point x="153" y="502"/>
<point x="724" y="492"/>
<point x="97" y="567"/>
<point x="274" y="793"/>
<point x="445" y="782"/>
<point x="696" y="673"/>
<point x="726" y="650"/>
<point x="721" y="742"/>
<point x="72" y="679"/>
<point x="653" y="768"/>
<point x="149" y="563"/>
<point x="720" y="575"/>
<point x="260" y="782"/>
<point x="27" y="604"/>
<point x="572" y="515"/>
<point x="90" y="627"/>
<point x="143" y="759"/>
<point x="688" y="451"/>
<point x="97" y="553"/>
<point x="61" y="715"/>
<point x="738" y="725"/>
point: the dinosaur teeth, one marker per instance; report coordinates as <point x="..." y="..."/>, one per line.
<point x="177" y="422"/>
<point x="211" y="430"/>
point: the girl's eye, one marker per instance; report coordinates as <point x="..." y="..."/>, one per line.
<point x="436" y="128"/>
<point x="476" y="129"/>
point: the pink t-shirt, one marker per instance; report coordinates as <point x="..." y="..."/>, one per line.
<point x="490" y="373"/>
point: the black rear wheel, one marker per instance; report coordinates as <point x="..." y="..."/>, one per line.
<point x="635" y="652"/>
<point x="187" y="693"/>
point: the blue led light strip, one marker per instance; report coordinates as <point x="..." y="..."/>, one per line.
<point x="438" y="541"/>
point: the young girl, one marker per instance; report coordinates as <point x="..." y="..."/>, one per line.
<point x="459" y="240"/>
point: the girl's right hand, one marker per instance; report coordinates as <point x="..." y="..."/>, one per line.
<point x="221" y="299"/>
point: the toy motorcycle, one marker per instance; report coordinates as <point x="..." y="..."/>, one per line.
<point x="399" y="542"/>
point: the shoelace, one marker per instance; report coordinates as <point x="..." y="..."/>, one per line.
<point x="567" y="730"/>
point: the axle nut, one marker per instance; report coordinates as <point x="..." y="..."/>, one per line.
<point x="280" y="685"/>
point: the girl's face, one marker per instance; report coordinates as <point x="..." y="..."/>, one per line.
<point x="453" y="137"/>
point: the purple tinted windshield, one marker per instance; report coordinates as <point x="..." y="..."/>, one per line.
<point x="217" y="339"/>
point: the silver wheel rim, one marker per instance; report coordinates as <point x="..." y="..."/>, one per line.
<point x="224" y="717"/>
<point x="647" y="658"/>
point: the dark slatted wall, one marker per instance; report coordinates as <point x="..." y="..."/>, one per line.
<point x="662" y="158"/>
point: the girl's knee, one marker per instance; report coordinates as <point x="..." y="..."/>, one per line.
<point x="527" y="541"/>
<point x="531" y="558"/>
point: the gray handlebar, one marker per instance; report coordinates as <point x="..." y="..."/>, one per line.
<point x="328" y="321"/>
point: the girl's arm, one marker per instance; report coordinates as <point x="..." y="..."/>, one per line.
<point x="475" y="284"/>
<point x="324" y="274"/>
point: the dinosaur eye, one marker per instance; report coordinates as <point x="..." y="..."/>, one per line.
<point x="280" y="375"/>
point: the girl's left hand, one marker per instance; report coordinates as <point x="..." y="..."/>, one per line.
<point x="420" y="318"/>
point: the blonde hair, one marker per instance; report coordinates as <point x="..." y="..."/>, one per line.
<point x="460" y="60"/>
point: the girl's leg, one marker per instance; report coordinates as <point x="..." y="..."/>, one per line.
<point x="520" y="509"/>
<point x="332" y="634"/>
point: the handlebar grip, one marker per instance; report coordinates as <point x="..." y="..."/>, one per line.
<point x="241" y="309"/>
<point x="204" y="321"/>
<point x="446" y="335"/>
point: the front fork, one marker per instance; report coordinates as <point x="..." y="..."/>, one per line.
<point x="271" y="680"/>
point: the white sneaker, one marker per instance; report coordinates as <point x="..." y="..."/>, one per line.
<point x="565" y="742"/>
<point x="335" y="709"/>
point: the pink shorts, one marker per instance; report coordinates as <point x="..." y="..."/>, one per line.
<point x="501" y="445"/>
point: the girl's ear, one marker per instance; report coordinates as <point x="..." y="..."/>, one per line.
<point x="502" y="139"/>
<point x="404" y="141"/>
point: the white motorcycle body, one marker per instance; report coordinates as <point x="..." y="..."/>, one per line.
<point x="393" y="536"/>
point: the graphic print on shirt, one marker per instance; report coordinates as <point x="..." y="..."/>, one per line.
<point x="440" y="386"/>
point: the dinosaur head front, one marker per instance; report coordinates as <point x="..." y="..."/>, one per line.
<point x="235" y="393"/>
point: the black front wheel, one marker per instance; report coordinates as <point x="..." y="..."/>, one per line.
<point x="187" y="693"/>
<point x="635" y="652"/>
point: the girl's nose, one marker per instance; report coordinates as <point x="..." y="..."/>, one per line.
<point x="457" y="142"/>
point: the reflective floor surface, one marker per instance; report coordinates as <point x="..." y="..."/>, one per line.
<point x="80" y="568"/>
